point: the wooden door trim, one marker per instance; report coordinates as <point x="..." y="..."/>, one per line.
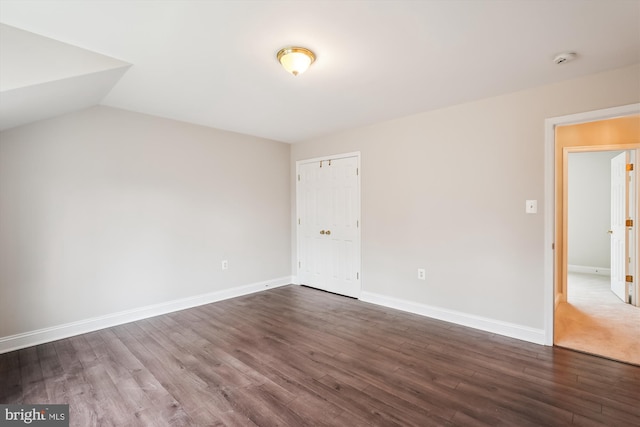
<point x="356" y="154"/>
<point x="555" y="198"/>
<point x="326" y="158"/>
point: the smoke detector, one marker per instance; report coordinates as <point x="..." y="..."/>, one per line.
<point x="561" y="58"/>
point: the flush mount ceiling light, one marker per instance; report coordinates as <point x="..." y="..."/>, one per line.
<point x="296" y="60"/>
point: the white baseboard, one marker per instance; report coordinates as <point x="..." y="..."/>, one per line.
<point x="40" y="336"/>
<point x="525" y="333"/>
<point x="588" y="270"/>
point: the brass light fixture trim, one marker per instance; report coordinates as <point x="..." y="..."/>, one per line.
<point x="296" y="59"/>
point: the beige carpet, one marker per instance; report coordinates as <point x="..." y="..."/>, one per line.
<point x="595" y="321"/>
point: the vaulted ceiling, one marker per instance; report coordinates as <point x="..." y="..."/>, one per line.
<point x="213" y="62"/>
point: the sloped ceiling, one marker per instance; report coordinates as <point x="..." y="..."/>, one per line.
<point x="213" y="62"/>
<point x="42" y="78"/>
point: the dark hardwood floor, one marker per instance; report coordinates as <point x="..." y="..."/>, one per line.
<point x="295" y="356"/>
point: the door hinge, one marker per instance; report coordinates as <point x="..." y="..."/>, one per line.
<point x="320" y="163"/>
<point x="358" y="276"/>
<point x="357" y="171"/>
<point x="553" y="246"/>
<point x="629" y="223"/>
<point x="298" y="221"/>
<point x="298" y="177"/>
<point x="329" y="162"/>
<point x="299" y="265"/>
<point x="629" y="166"/>
<point x="358" y="224"/>
<point x="629" y="279"/>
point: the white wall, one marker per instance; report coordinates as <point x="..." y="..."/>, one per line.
<point x="589" y="214"/>
<point x="106" y="210"/>
<point x="446" y="190"/>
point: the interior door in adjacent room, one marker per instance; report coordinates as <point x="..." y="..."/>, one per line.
<point x="328" y="221"/>
<point x="618" y="231"/>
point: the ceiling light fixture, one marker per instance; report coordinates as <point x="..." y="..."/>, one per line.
<point x="296" y="60"/>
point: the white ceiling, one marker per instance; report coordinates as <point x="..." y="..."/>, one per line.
<point x="213" y="62"/>
<point x="42" y="77"/>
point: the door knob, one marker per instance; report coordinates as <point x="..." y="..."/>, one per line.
<point x="328" y="232"/>
<point x="610" y="231"/>
<point x="321" y="231"/>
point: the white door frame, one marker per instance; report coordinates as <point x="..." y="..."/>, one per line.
<point x="549" y="197"/>
<point x="359" y="204"/>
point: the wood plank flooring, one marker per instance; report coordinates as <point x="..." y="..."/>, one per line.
<point x="295" y="356"/>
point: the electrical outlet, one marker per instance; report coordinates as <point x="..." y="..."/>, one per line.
<point x="225" y="264"/>
<point x="422" y="275"/>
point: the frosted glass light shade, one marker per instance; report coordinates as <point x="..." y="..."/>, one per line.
<point x="296" y="60"/>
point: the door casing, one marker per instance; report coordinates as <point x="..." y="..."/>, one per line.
<point x="358" y="261"/>
<point x="555" y="214"/>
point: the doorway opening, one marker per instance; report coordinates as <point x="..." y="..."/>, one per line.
<point x="596" y="317"/>
<point x="604" y="130"/>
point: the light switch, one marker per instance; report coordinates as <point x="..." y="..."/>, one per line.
<point x="532" y="207"/>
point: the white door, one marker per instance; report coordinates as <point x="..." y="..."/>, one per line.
<point x="632" y="233"/>
<point x="329" y="225"/>
<point x="618" y="230"/>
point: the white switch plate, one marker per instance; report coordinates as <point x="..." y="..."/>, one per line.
<point x="532" y="206"/>
<point x="225" y="264"/>
<point x="422" y="274"/>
